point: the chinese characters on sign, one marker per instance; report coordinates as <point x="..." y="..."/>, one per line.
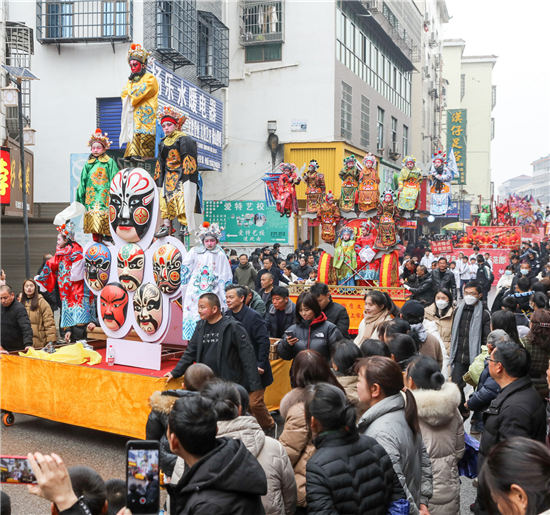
<point x="204" y="114"/>
<point x="5" y="172"/>
<point x="440" y="247"/>
<point x="247" y="221"/>
<point x="456" y="139"/>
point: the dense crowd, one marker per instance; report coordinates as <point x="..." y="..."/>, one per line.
<point x="373" y="424"/>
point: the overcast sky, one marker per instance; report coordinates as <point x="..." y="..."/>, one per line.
<point x="518" y="32"/>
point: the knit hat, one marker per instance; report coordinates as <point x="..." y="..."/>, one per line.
<point x="412" y="308"/>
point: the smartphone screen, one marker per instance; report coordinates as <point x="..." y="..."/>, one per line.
<point x="142" y="476"/>
<point x="16" y="470"/>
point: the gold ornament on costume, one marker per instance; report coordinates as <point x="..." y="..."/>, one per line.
<point x="137" y="53"/>
<point x="100" y="138"/>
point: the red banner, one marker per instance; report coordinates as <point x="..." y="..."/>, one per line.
<point x="532" y="233"/>
<point x="441" y="247"/>
<point x="407" y="224"/>
<point x="5" y="176"/>
<point x="499" y="257"/>
<point x="493" y="236"/>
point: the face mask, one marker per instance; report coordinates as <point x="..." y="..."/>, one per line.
<point x="441" y="304"/>
<point x="508" y="272"/>
<point x="523" y="271"/>
<point x="470" y="299"/>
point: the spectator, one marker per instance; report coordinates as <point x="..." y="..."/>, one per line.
<point x="344" y="358"/>
<point x="526" y="271"/>
<point x="484" y="276"/>
<point x="442" y="277"/>
<point x="421" y="286"/>
<point x="16" y="331"/>
<point x="309" y="368"/>
<point x="471" y="325"/>
<point x="303" y="269"/>
<point x="115" y="490"/>
<point x="255" y="302"/>
<point x="427" y="259"/>
<point x="281" y="314"/>
<point x="393" y="423"/>
<point x="522" y="322"/>
<point x="537" y="342"/>
<point x="372" y="347"/>
<point x="402" y="349"/>
<point x="257" y="333"/>
<point x="221" y="474"/>
<point x="5" y="501"/>
<point x="522" y="295"/>
<point x="465" y="273"/>
<point x="40" y="315"/>
<point x="488" y="260"/>
<point x="441" y="313"/>
<point x="312" y="330"/>
<point x="2" y="277"/>
<point x="267" y="282"/>
<point x="349" y="473"/>
<point x="442" y="430"/>
<point x="269" y="268"/>
<point x="393" y="327"/>
<point x="515" y="477"/>
<point x="456" y="273"/>
<point x="289" y="277"/>
<point x="427" y="344"/>
<point x="271" y="455"/>
<point x="245" y="274"/>
<point x="222" y="344"/>
<point x="539" y="300"/>
<point x="503" y="285"/>
<point x="336" y="313"/>
<point x="507" y="322"/>
<point x="378" y="308"/>
<point x="310" y="260"/>
<point x="409" y="268"/>
<point x="312" y="279"/>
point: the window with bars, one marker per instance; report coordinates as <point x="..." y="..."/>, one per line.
<point x="380" y="128"/>
<point x="114" y="19"/>
<point x="365" y="121"/>
<point x="346" y="107"/>
<point x="213" y="51"/>
<point x="405" y="140"/>
<point x="261" y="22"/>
<point x="394" y="134"/>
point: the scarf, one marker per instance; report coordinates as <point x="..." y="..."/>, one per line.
<point x="369" y="324"/>
<point x="474" y="334"/>
<point x="420" y="330"/>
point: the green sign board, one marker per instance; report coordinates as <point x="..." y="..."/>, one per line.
<point x="247" y="221"/>
<point x="456" y="139"/>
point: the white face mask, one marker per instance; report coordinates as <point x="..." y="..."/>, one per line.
<point x="470" y="299"/>
<point x="441" y="304"/>
<point x="524" y="271"/>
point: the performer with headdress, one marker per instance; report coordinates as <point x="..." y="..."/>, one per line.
<point x="440" y="187"/>
<point x="345" y="260"/>
<point x="409" y="181"/>
<point x="287" y="202"/>
<point x="329" y="216"/>
<point x="315" y="190"/>
<point x="205" y="269"/>
<point x="93" y="190"/>
<point x="388" y="218"/>
<point x="176" y="174"/>
<point x="367" y="196"/>
<point x="348" y="191"/>
<point x="367" y="266"/>
<point x="139" y="107"/>
<point x="66" y="269"/>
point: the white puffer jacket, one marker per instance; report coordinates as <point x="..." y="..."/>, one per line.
<point x="443" y="434"/>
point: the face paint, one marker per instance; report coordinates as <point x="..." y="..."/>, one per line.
<point x="97" y="262"/>
<point x="167" y="268"/>
<point x="131" y="203"/>
<point x="148" y="307"/>
<point x="130" y="266"/>
<point x="113" y="306"/>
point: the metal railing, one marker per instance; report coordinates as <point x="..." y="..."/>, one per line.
<point x="213" y="54"/>
<point x="262" y="22"/>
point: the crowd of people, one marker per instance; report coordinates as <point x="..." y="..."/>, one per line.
<point x="373" y="424"/>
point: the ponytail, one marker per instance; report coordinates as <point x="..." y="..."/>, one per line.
<point x="411" y="412"/>
<point x="390" y="305"/>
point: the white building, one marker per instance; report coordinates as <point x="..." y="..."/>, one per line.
<point x="541" y="180"/>
<point x="518" y="184"/>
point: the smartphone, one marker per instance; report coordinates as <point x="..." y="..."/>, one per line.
<point x="289" y="334"/>
<point x="16" y="470"/>
<point x="142" y="477"/>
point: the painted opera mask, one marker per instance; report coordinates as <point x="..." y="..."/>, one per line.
<point x="97" y="260"/>
<point x="113" y="306"/>
<point x="130" y="265"/>
<point x="131" y="203"/>
<point x="167" y="261"/>
<point x="148" y="307"/>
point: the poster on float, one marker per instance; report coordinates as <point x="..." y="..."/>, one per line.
<point x="493" y="236"/>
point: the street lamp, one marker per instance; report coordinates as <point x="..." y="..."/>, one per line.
<point x="17" y="75"/>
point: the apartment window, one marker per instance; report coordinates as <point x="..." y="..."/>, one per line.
<point x="114" y="20"/>
<point x="493" y="96"/>
<point x="262" y="53"/>
<point x="492" y="128"/>
<point x="365" y="121"/>
<point x="213" y="51"/>
<point x="462" y="85"/>
<point x="59" y="20"/>
<point x="261" y="22"/>
<point x="380" y="128"/>
<point x="394" y="134"/>
<point x="346" y="107"/>
<point x="388" y="14"/>
<point x="405" y="140"/>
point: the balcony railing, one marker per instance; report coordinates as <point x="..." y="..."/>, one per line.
<point x="262" y="22"/>
<point x="213" y="55"/>
<point x="74" y="21"/>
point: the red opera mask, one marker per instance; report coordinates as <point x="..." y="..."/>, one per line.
<point x="130" y="266"/>
<point x="148" y="307"/>
<point x="167" y="268"/>
<point x="113" y="306"/>
<point x="135" y="66"/>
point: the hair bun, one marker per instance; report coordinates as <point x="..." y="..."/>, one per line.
<point x="437" y="380"/>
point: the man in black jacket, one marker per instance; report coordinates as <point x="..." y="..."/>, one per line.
<point x="256" y="328"/>
<point x="221" y="476"/>
<point x="269" y="268"/>
<point x="16" y="330"/>
<point x="336" y="313"/>
<point x="281" y="314"/>
<point x="443" y="278"/>
<point x="421" y="286"/>
<point x="222" y="344"/>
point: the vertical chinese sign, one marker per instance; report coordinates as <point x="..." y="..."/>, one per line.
<point x="456" y="139"/>
<point x="5" y="176"/>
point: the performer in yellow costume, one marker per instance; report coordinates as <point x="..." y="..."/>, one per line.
<point x="139" y="107"/>
<point x="410" y="179"/>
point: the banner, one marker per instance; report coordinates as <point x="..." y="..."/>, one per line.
<point x="532" y="233"/>
<point x="407" y="224"/>
<point x="456" y="140"/>
<point x="5" y="176"/>
<point x="440" y="247"/>
<point x="493" y="236"/>
<point x="247" y="221"/>
<point x="499" y="257"/>
<point x="15" y="206"/>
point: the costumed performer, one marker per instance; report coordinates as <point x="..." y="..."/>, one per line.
<point x="176" y="174"/>
<point x="388" y="217"/>
<point x="329" y="216"/>
<point x="367" y="269"/>
<point x="205" y="269"/>
<point x="287" y="202"/>
<point x="93" y="190"/>
<point x="348" y="191"/>
<point x="440" y="187"/>
<point x="345" y="260"/>
<point x="139" y="107"/>
<point x="367" y="196"/>
<point x="409" y="181"/>
<point x="66" y="270"/>
<point x="315" y="190"/>
<point x="484" y="216"/>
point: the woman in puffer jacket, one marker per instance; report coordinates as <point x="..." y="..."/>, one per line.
<point x="40" y="314"/>
<point x="312" y="330"/>
<point x="281" y="485"/>
<point x="309" y="367"/>
<point x="442" y="430"/>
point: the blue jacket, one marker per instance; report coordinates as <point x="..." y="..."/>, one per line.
<point x="487" y="390"/>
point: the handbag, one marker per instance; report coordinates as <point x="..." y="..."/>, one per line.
<point x="400" y="507"/>
<point x="467" y="466"/>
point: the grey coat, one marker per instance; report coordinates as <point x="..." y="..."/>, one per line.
<point x="386" y="423"/>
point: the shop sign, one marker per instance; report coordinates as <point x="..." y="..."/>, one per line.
<point x="456" y="140"/>
<point x="5" y="175"/>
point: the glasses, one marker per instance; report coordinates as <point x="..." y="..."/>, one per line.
<point x="493" y="360"/>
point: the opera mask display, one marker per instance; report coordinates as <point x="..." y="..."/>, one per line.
<point x="148" y="307"/>
<point x="113" y="306"/>
<point x="130" y="266"/>
<point x="97" y="261"/>
<point x="167" y="261"/>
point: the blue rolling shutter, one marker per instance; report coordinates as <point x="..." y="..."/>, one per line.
<point x="108" y="118"/>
